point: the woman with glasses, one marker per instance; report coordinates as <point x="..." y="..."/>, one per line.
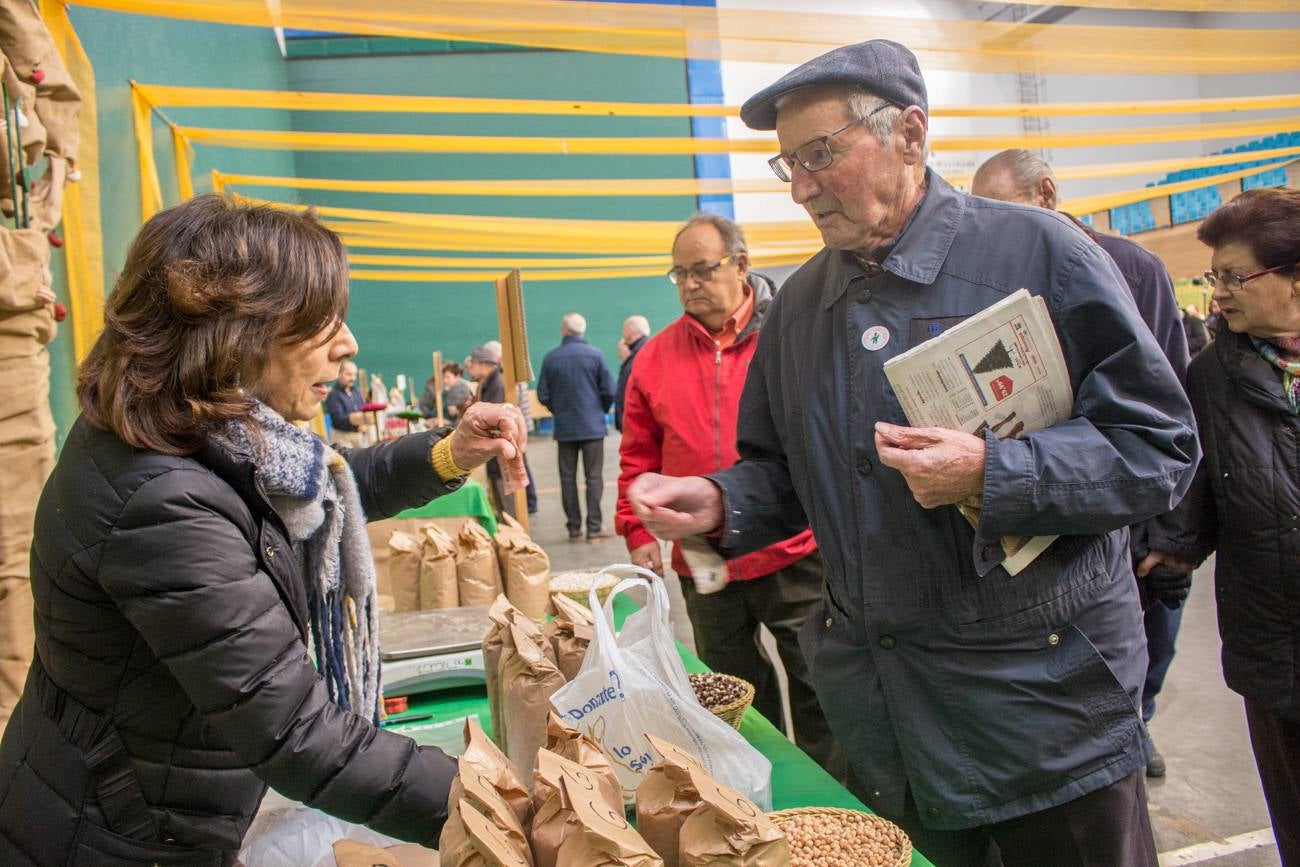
<point x="1245" y="503"/>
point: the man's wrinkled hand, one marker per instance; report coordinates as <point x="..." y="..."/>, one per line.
<point x="648" y="556"/>
<point x="671" y="507"/>
<point x="487" y="431"/>
<point x="941" y="466"/>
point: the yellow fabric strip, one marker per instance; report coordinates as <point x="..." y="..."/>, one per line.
<point x="1176" y="5"/>
<point x="307" y="140"/>
<point x="681" y="186"/>
<point x="521" y="187"/>
<point x="82" y="229"/>
<point x="654" y="264"/>
<point x="1105" y="201"/>
<point x="650" y="242"/>
<point x="162" y="95"/>
<point x="150" y="186"/>
<point x="764" y="36"/>
<point x="184" y="155"/>
<point x="537" y="274"/>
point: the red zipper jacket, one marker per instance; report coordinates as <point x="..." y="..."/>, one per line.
<point x="679" y="419"/>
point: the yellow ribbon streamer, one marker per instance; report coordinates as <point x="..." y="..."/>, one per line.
<point x="764" y="36"/>
<point x="151" y="201"/>
<point x="160" y="95"/>
<point x="1105" y="201"/>
<point x="82" y="228"/>
<point x="184" y="155"/>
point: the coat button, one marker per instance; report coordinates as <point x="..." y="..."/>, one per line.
<point x="864" y="466"/>
<point x="1054" y="639"/>
<point x="830" y="621"/>
<point x="876" y="794"/>
<point x="270" y="552"/>
<point x="887" y="642"/>
<point x="864" y="295"/>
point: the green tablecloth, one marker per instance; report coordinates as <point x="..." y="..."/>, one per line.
<point x="470" y="500"/>
<point x="797" y="781"/>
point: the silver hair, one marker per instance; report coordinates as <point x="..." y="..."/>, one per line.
<point x="733" y="237"/>
<point x="638" y="325"/>
<point x="1026" y="169"/>
<point x="861" y="102"/>
<point x="575" y="324"/>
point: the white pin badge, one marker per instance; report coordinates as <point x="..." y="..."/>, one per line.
<point x="874" y="338"/>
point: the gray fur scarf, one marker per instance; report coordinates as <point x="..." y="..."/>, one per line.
<point x="312" y="489"/>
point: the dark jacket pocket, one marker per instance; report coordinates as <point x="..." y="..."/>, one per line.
<point x="99" y="847"/>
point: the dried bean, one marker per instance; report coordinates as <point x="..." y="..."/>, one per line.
<point x="717" y="690"/>
<point x="822" y="839"/>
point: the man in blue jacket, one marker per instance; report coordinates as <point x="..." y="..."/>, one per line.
<point x="576" y="386"/>
<point x="982" y="711"/>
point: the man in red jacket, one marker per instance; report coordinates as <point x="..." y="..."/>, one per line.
<point x="682" y="401"/>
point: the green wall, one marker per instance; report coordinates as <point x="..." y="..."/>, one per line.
<point x="398" y="325"/>
<point x="161" y="51"/>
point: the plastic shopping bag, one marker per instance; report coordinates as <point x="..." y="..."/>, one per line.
<point x="633" y="684"/>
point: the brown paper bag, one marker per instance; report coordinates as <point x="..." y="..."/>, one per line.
<point x="470" y="839"/>
<point x="497" y="644"/>
<point x="477" y="787"/>
<point x="404" y="571"/>
<point x="555" y="818"/>
<point x="350" y="853"/>
<point x="526" y="569"/>
<point x="477" y="575"/>
<point x="579" y="747"/>
<point x="528" y="680"/>
<point x="666" y="797"/>
<point x="603" y="836"/>
<point x="728" y="828"/>
<point x="493" y="764"/>
<point x="569" y="633"/>
<point x="412" y="855"/>
<point x="438" y="582"/>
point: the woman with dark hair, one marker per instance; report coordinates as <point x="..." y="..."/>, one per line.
<point x="1245" y="502"/>
<point x="206" y="618"/>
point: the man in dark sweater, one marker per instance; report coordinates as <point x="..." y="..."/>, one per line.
<point x="576" y="386"/>
<point x="636" y="331"/>
<point x="1023" y="176"/>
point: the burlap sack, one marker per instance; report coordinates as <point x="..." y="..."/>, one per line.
<point x="555" y="818"/>
<point x="665" y="798"/>
<point x="569" y="633"/>
<point x="728" y="828"/>
<point x="438" y="583"/>
<point x="476" y="787"/>
<point x="525" y="567"/>
<point x="498" y="643"/>
<point x="493" y="764"/>
<point x="528" y="680"/>
<point x="470" y="839"/>
<point x="604" y="837"/>
<point x="404" y="571"/>
<point x="579" y="747"/>
<point x="477" y="574"/>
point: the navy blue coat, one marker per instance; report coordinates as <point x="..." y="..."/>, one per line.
<point x="990" y="696"/>
<point x="576" y="386"/>
<point x="624" y="372"/>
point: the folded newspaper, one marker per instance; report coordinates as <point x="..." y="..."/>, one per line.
<point x="1000" y="370"/>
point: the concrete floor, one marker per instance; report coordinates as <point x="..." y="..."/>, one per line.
<point x="1208" y="810"/>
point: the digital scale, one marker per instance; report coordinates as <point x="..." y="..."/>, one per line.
<point x="425" y="651"/>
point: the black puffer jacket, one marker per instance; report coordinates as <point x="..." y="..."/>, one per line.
<point x="172" y="681"/>
<point x="1245" y="503"/>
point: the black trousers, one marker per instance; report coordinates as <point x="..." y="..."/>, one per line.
<point x="727" y="639"/>
<point x="1109" y="827"/>
<point x="1276" y="742"/>
<point x="593" y="466"/>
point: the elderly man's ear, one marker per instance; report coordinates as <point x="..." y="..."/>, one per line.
<point x="913" y="124"/>
<point x="1046" y="194"/>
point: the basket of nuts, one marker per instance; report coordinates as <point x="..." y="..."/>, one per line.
<point x="822" y="836"/>
<point x="577" y="585"/>
<point x="727" y="697"/>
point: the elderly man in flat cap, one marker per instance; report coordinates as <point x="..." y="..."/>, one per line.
<point x="995" y="717"/>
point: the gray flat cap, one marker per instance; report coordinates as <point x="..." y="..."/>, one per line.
<point x="885" y="68"/>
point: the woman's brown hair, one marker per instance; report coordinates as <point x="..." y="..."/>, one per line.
<point x="1267" y="221"/>
<point x="209" y="288"/>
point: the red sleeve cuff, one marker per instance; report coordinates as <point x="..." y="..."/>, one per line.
<point x="637" y="536"/>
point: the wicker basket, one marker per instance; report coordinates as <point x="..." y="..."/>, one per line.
<point x="603" y="587"/>
<point x="782" y="817"/>
<point x="733" y="712"/>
